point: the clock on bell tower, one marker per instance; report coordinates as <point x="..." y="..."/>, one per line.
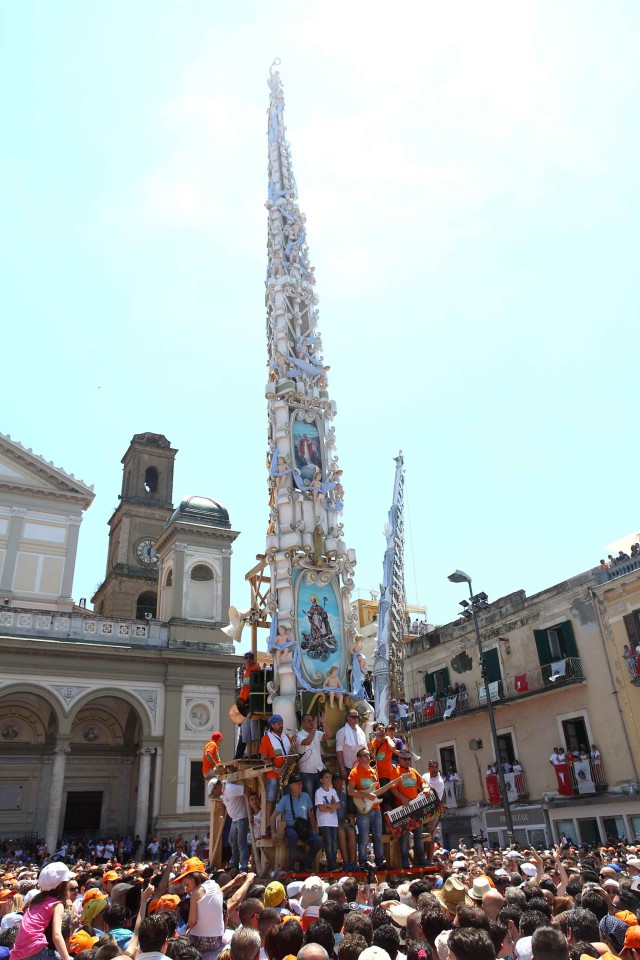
<point x="130" y="587"/>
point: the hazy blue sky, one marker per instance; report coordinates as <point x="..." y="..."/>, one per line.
<point x="470" y="178"/>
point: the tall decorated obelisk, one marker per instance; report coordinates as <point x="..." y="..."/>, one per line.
<point x="312" y="624"/>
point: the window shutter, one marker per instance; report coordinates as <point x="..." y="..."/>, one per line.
<point x="543" y="647"/>
<point x="492" y="665"/>
<point x="569" y="645"/>
<point x="445" y="677"/>
<point x="430" y="682"/>
<point x="633" y="629"/>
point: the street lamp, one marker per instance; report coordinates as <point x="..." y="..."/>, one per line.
<point x="474" y="604"/>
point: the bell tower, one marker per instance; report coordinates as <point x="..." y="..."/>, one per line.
<point x="130" y="587"/>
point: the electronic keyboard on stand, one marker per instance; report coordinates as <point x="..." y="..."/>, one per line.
<point x="426" y="808"/>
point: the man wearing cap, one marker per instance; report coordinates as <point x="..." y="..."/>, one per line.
<point x="210" y="757"/>
<point x="362" y="781"/>
<point x="109" y="878"/>
<point x="631" y="949"/>
<point x="382" y="749"/>
<point x="250" y="729"/>
<point x="297" y="806"/>
<point x="410" y="785"/>
<point x="274" y="747"/>
<point x="233" y="797"/>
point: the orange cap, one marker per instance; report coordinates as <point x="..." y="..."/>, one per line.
<point x="169" y="901"/>
<point x="80" y="940"/>
<point x="110" y="875"/>
<point x="192" y="865"/>
<point x="627" y="917"/>
<point x="632" y="938"/>
<point x="6" y="895"/>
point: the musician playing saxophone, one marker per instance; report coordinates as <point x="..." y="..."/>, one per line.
<point x="274" y="747"/>
<point x="410" y="785"/>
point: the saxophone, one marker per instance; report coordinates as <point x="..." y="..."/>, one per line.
<point x="289" y="765"/>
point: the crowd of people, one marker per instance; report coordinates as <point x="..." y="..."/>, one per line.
<point x="622" y="557"/>
<point x="565" y="903"/>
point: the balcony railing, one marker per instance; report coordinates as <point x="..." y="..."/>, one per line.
<point x="618" y="569"/>
<point x="559" y="674"/>
<point x="633" y="663"/>
<point x="515" y="783"/>
<point x="597" y="775"/>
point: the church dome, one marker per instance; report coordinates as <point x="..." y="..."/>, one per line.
<point x="201" y="510"/>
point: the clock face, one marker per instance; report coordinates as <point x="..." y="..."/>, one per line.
<point x="146" y="553"/>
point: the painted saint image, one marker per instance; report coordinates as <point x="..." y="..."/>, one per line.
<point x="318" y="642"/>
<point x="306" y="446"/>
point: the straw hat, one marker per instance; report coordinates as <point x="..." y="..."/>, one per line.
<point x="453" y="895"/>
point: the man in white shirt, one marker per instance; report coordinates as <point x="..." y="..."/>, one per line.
<point x="233" y="797"/>
<point x="554" y="759"/>
<point x="310" y="763"/>
<point x="349" y="739"/>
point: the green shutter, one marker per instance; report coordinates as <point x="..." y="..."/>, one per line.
<point x="430" y="682"/>
<point x="568" y="643"/>
<point x="543" y="647"/>
<point x="492" y="665"/>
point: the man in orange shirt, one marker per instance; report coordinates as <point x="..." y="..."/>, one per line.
<point x="210" y="758"/>
<point x="382" y="749"/>
<point x="250" y="729"/>
<point x="362" y="781"/>
<point x="274" y="747"/>
<point x="405" y="791"/>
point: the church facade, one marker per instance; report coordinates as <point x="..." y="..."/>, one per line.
<point x="103" y="714"/>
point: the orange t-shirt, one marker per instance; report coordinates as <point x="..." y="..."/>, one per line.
<point x="382" y="754"/>
<point x="276" y="752"/>
<point x="364" y="778"/>
<point x="411" y="782"/>
<point x="207" y="764"/>
<point x="246" y="689"/>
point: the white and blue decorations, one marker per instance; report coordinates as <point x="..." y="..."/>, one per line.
<point x="319" y="628"/>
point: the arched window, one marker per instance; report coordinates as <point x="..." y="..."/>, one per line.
<point x="169" y="579"/>
<point x="151" y="480"/>
<point x="147" y="603"/>
<point x="201" y="572"/>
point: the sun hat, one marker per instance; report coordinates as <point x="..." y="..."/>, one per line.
<point x="632" y="938"/>
<point x="627" y="917"/>
<point x="374" y="953"/>
<point x="313" y="892"/>
<point x="53" y="875"/>
<point x="192" y="865"/>
<point x="453" y="894"/>
<point x="634" y="862"/>
<point x="91" y="910"/>
<point x="274" y="894"/>
<point x="611" y="928"/>
<point x="168" y="901"/>
<point x="480" y="886"/>
<point x="400" y="912"/>
<point x="80" y="940"/>
<point x="529" y="869"/>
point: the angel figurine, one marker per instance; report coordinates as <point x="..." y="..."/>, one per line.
<point x="332" y="682"/>
<point x="280" y="648"/>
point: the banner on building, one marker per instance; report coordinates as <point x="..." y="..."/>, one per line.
<point x="565" y="788"/>
<point x="510" y="784"/>
<point x="493" y="790"/>
<point x="494" y="692"/>
<point x="450" y="793"/>
<point x="451" y="705"/>
<point x="582" y="770"/>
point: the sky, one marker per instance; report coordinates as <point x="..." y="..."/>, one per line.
<point x="469" y="173"/>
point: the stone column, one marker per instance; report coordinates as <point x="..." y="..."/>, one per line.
<point x="157" y="784"/>
<point x="179" y="586"/>
<point x="142" y="805"/>
<point x="60" y="753"/>
<point x="14" y="535"/>
<point x="70" y="558"/>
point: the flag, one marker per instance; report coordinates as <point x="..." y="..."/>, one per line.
<point x="582" y="770"/>
<point x="431" y="709"/>
<point x="451" y="705"/>
<point x="493" y="789"/>
<point x="521" y="683"/>
<point x="510" y="784"/>
<point x="565" y="789"/>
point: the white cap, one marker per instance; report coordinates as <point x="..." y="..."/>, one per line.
<point x="529" y="869"/>
<point x="53" y="875"/>
<point x="374" y="953"/>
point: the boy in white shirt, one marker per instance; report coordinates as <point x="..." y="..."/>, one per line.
<point x="327" y="805"/>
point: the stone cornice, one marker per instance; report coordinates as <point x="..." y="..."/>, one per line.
<point x="94" y="652"/>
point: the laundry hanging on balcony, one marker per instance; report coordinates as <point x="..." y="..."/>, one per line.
<point x="451" y="705"/>
<point x="521" y="684"/>
<point x="558" y="670"/>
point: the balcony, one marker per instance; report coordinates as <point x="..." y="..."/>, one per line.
<point x="585" y="777"/>
<point x="562" y="673"/>
<point x="618" y="569"/>
<point x="515" y="783"/>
